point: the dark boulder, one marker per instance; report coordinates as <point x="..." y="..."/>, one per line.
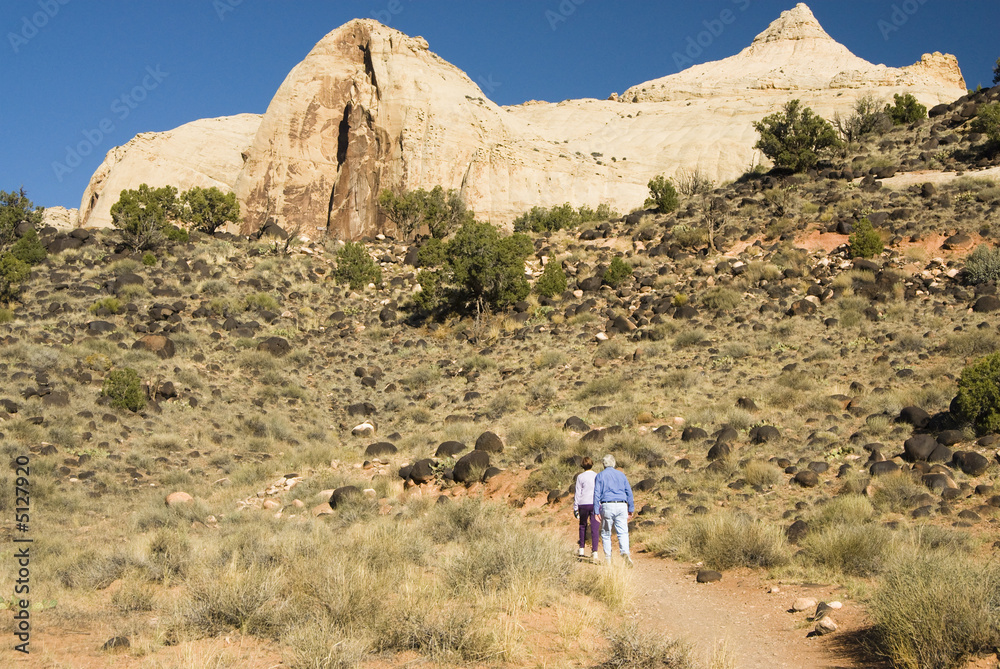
<point x="344" y="494"/>
<point x="719" y="452"/>
<point x="380" y="448"/>
<point x="422" y="471"/>
<point x="986" y="304"/>
<point x="576" y="424"/>
<point x="915" y="416"/>
<point x="971" y="463"/>
<point x="449" y="449"/>
<point x="692" y="433"/>
<point x="919" y="447"/>
<point x="797" y="531"/>
<point x="362" y="409"/>
<point x="489" y="443"/>
<point x="806" y="478"/>
<point x="763" y="434"/>
<point x="708" y="576"/>
<point x="276" y="346"/>
<point x="470" y="466"/>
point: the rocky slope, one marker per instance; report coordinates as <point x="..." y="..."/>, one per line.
<point x="371" y="108"/>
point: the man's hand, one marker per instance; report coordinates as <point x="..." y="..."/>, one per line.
<point x="576" y="513"/>
<point x="597" y="517"/>
<point x="630" y="516"/>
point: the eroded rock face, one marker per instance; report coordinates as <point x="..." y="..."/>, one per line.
<point x="203" y="153"/>
<point x="370" y="108"/>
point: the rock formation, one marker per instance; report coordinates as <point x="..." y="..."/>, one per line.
<point x="371" y="108"/>
<point x="203" y="153"/>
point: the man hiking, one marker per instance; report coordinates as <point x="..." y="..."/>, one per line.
<point x="613" y="507"/>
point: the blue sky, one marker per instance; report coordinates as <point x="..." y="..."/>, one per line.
<point x="96" y="73"/>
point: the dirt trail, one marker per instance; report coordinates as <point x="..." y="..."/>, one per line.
<point x="754" y="624"/>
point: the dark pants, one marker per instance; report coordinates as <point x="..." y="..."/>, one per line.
<point x="587" y="515"/>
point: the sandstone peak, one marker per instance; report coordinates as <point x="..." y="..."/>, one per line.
<point x="371" y="108"/>
<point x="797" y="23"/>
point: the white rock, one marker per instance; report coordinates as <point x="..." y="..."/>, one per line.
<point x="835" y="605"/>
<point x="366" y="429"/>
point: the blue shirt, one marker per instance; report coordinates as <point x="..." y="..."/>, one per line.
<point x="612" y="486"/>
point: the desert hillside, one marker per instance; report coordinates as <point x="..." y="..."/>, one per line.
<point x="235" y="458"/>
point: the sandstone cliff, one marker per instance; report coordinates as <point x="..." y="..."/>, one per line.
<point x="203" y="153"/>
<point x="371" y="108"/>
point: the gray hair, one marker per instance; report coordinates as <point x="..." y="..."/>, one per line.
<point x="609" y="461"/>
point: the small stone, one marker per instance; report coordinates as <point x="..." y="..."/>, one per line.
<point x="709" y="576"/>
<point x="271" y="505"/>
<point x="803" y="604"/>
<point x="825" y="625"/>
<point x="323" y="509"/>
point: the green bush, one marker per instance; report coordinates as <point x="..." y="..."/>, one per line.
<point x="148" y="259"/>
<point x="905" y="109"/>
<point x="124" y="387"/>
<point x="662" y="195"/>
<point x="988" y="121"/>
<point x="979" y="393"/>
<point x="14" y="208"/>
<point x="983" y="265"/>
<point x="143" y="213"/>
<point x="794" y="137"/>
<point x="552" y="282"/>
<point x="176" y="234"/>
<point x="428" y="298"/>
<point x="488" y="268"/>
<point x="870" y="117"/>
<point x="13" y="273"/>
<point x="935" y="610"/>
<point x="542" y="219"/>
<point x="208" y="209"/>
<point x="996" y="73"/>
<point x="865" y="242"/>
<point x="431" y="253"/>
<point x="6" y="316"/>
<point x="440" y="210"/>
<point x="355" y="267"/>
<point x="112" y="304"/>
<point x="28" y="249"/>
<point x="618" y="271"/>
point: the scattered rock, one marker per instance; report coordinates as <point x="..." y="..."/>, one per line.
<point x="178" y="498"/>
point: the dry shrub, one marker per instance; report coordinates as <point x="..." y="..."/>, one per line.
<point x="630" y="647"/>
<point x="763" y="474"/>
<point x="726" y="540"/>
<point x="855" y="550"/>
<point x="933" y="611"/>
